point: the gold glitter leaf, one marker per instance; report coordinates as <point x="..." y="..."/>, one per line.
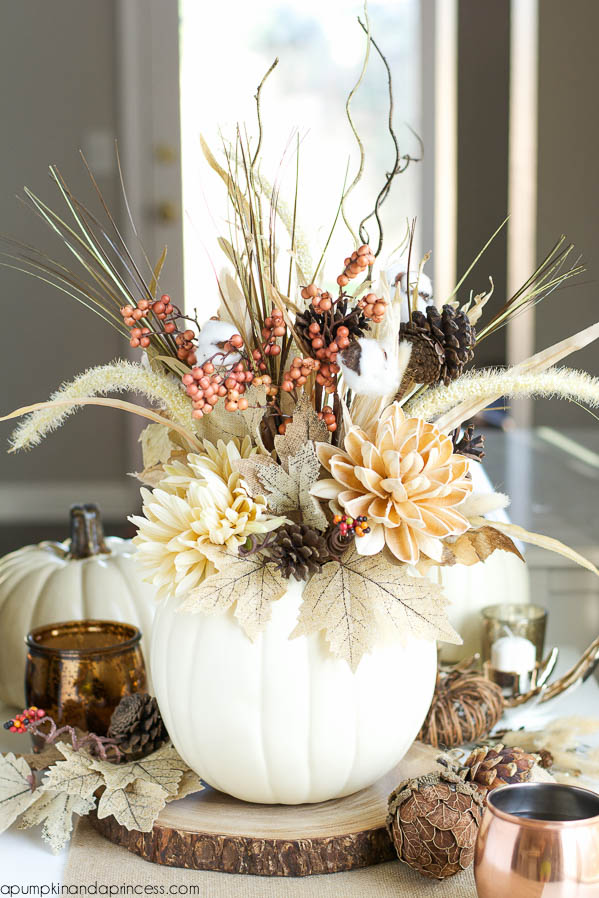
<point x="163" y="767"/>
<point x="355" y="598"/>
<point x="136" y="806"/>
<point x="252" y="583"/>
<point x="75" y="775"/>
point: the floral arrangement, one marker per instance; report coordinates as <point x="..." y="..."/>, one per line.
<point x="316" y="428"/>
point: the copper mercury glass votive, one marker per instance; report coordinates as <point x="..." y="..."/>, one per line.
<point x="538" y="840"/>
<point x="78" y="671"/>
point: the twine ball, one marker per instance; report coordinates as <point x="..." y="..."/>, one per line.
<point x="465" y="708"/>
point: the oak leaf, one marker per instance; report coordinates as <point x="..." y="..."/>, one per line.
<point x="16" y="789"/>
<point x="360" y="597"/>
<point x="136" y="806"/>
<point x="251" y="583"/>
<point x="55" y="810"/>
<point x="75" y="775"/>
<point x="476" y="545"/>
<point x="164" y="767"/>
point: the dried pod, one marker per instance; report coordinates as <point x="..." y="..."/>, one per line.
<point x="465" y="708"/>
<point x="137" y="726"/>
<point x="490" y="768"/>
<point x="433" y="822"/>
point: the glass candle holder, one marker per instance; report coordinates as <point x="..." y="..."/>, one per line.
<point x="513" y="638"/>
<point x="78" y="671"/>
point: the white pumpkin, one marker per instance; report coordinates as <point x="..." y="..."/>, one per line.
<point x="501" y="578"/>
<point x="281" y="720"/>
<point x="87" y="577"/>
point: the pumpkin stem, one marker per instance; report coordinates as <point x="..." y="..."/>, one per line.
<point x="87" y="532"/>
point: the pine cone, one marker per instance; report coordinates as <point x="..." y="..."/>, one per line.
<point x="433" y="822"/>
<point x="469" y="445"/>
<point x="137" y="726"/>
<point x="356" y="322"/>
<point x="298" y="550"/>
<point x="490" y="768"/>
<point x="442" y="343"/>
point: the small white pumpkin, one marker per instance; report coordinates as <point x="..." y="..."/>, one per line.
<point x="279" y="720"/>
<point x="89" y="576"/>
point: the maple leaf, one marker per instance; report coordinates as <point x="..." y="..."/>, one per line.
<point x="305" y="427"/>
<point x="16" y="792"/>
<point x="353" y="599"/>
<point x="136" y="806"/>
<point x="75" y="775"/>
<point x="287" y="490"/>
<point x="252" y="582"/>
<point x="223" y="425"/>
<point x="55" y="810"/>
<point x="164" y="767"/>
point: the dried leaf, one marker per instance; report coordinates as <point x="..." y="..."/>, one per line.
<point x="305" y="427"/>
<point x="164" y="767"/>
<point x="189" y="784"/>
<point x="75" y="775"/>
<point x="472" y="547"/>
<point x="538" y="539"/>
<point x="156" y="445"/>
<point x="55" y="810"/>
<point x="288" y="491"/>
<point x="135" y="807"/>
<point x="44" y="758"/>
<point x="16" y="792"/>
<point x="355" y="598"/>
<point x="253" y="583"/>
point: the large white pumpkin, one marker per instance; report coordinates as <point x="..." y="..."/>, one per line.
<point x="280" y="720"/>
<point x="90" y="576"/>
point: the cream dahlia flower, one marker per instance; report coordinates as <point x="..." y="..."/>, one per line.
<point x="404" y="476"/>
<point x="199" y="505"/>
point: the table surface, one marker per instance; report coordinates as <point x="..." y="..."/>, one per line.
<point x="553" y="481"/>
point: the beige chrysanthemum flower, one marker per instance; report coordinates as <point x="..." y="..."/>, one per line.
<point x="200" y="505"/>
<point x="404" y="476"/>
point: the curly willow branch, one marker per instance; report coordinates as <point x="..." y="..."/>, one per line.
<point x="564" y="383"/>
<point x="397" y="168"/>
<point x="258" y="112"/>
<point x="118" y="377"/>
<point x="350" y="97"/>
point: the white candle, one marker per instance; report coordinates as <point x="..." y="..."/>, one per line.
<point x="513" y="654"/>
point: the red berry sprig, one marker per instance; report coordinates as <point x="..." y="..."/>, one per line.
<point x="21" y="722"/>
<point x="355" y="264"/>
<point x="351" y="526"/>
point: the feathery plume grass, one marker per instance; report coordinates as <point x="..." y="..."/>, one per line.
<point x="117" y="377"/>
<point x="562" y="383"/>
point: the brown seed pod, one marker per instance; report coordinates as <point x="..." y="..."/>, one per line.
<point x="501" y="765"/>
<point x="465" y="708"/>
<point x="433" y="822"/>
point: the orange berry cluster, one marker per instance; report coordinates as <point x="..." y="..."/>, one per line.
<point x="186" y="347"/>
<point x="21" y="721"/>
<point x="274" y="326"/>
<point x="322" y="301"/>
<point x="205" y="386"/>
<point x="132" y="317"/>
<point x="373" y="307"/>
<point x="355" y="264"/>
<point x="298" y="373"/>
<point x="327" y="376"/>
<point x="328" y="416"/>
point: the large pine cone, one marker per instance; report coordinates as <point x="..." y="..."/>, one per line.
<point x="442" y="344"/>
<point x="298" y="550"/>
<point x="433" y="821"/>
<point x="490" y="768"/>
<point x="137" y="726"/>
<point x="356" y="322"/>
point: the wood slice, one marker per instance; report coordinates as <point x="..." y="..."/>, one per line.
<point x="212" y="831"/>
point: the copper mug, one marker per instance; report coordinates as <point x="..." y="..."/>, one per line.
<point x="538" y="840"/>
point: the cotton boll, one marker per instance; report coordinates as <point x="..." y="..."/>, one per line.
<point x="369" y="369"/>
<point x="398" y="277"/>
<point x="213" y="335"/>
